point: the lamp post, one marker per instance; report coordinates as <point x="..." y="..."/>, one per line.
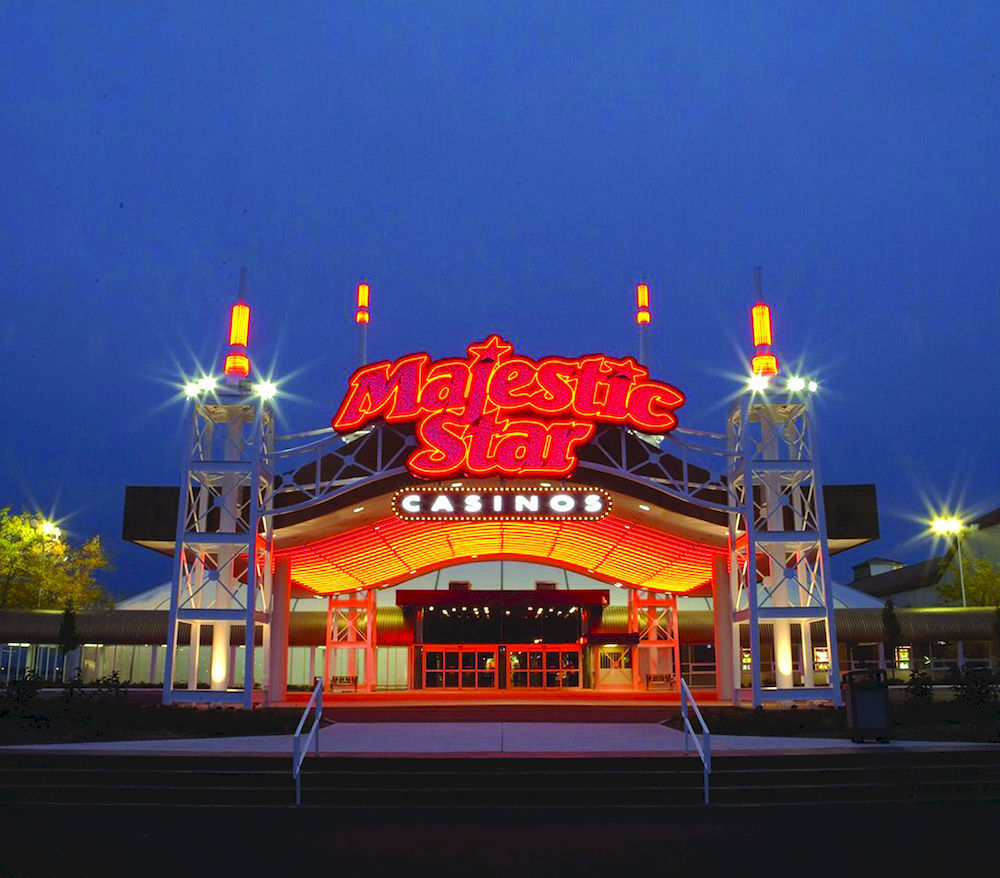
<point x="953" y="527"/>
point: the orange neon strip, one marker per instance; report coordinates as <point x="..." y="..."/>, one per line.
<point x="764" y="364"/>
<point x="239" y="324"/>
<point x="761" y="318"/>
<point x="643" y="317"/>
<point x="642" y="296"/>
<point x="391" y="551"/>
<point x="363" y="291"/>
<point x="361" y="316"/>
<point x="237" y="364"/>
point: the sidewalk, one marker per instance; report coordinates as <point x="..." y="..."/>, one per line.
<point x="490" y="739"/>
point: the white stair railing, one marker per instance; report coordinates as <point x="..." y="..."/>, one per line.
<point x="299" y="752"/>
<point x="704" y="746"/>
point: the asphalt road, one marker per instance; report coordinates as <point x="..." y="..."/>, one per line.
<point x="843" y="840"/>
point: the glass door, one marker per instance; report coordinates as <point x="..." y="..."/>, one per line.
<point x="460" y="667"/>
<point x="543" y="666"/>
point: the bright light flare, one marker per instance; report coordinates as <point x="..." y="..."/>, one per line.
<point x="50" y="530"/>
<point x="758" y="383"/>
<point x="191" y="389"/>
<point x="266" y="389"/>
<point x="812" y="386"/>
<point x="206" y="383"/>
<point x="796" y="384"/>
<point x="946" y="526"/>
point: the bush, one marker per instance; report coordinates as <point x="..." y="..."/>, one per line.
<point x="18" y="694"/>
<point x="975" y="689"/>
<point x="110" y="686"/>
<point x="919" y="688"/>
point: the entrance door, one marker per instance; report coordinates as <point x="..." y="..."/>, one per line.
<point x="614" y="667"/>
<point x="460" y="667"/>
<point x="543" y="666"/>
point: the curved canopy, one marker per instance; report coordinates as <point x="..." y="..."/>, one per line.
<point x="388" y="551"/>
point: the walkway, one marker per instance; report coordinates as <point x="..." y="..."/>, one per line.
<point x="491" y="739"/>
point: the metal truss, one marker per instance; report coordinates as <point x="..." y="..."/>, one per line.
<point x="351" y="625"/>
<point x="311" y="468"/>
<point x="224" y="541"/>
<point x="779" y="557"/>
<point x="653" y="616"/>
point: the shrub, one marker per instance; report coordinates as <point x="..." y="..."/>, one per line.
<point x="110" y="686"/>
<point x="975" y="689"/>
<point x="919" y="688"/>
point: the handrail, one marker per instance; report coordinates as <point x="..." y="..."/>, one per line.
<point x="704" y="747"/>
<point x="299" y="752"/>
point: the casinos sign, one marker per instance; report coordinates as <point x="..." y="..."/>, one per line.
<point x="499" y="413"/>
<point x="502" y="503"/>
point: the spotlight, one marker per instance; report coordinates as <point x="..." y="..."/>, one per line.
<point x="266" y="389"/>
<point x="206" y="383"/>
<point x="758" y="383"/>
<point x="191" y="389"/>
<point x="795" y="384"/>
<point x="812" y="387"/>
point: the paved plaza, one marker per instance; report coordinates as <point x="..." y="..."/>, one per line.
<point x="491" y="739"/>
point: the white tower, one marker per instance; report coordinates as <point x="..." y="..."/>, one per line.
<point x="779" y="567"/>
<point x="223" y="544"/>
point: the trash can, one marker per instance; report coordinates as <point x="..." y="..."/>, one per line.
<point x="866" y="697"/>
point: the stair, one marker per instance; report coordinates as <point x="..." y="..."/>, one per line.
<point x="529" y="782"/>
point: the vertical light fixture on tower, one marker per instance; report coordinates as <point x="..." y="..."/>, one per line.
<point x="362" y="318"/>
<point x="764" y="364"/>
<point x="237" y="365"/>
<point x="643" y="317"/>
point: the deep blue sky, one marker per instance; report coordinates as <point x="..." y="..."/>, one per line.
<point x="497" y="167"/>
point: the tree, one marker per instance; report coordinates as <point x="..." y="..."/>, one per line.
<point x="40" y="570"/>
<point x="982" y="583"/>
<point x="891" y="633"/>
<point x="68" y="637"/>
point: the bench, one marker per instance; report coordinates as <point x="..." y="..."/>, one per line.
<point x="343" y="684"/>
<point x="660" y="681"/>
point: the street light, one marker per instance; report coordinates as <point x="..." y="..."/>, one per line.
<point x="951" y="526"/>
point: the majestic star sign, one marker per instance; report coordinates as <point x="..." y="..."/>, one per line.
<point x="498" y="413"/>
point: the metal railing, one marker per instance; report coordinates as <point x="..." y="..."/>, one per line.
<point x="704" y="746"/>
<point x="299" y="752"/>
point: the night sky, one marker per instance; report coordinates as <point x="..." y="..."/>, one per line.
<point x="498" y="167"/>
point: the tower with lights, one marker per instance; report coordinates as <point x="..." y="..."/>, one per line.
<point x="779" y="558"/>
<point x="222" y="558"/>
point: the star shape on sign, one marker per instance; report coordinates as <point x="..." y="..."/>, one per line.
<point x="628" y="369"/>
<point x="490" y="349"/>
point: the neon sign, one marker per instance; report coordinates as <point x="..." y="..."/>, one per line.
<point x="499" y="413"/>
<point x="501" y="503"/>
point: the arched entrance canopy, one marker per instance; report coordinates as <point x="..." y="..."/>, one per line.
<point x="388" y="551"/>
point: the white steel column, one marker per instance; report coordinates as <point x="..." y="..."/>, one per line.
<point x="722" y="612"/>
<point x="280" y="616"/>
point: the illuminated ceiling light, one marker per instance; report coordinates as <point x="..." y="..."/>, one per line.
<point x="758" y="383"/>
<point x="358" y="509"/>
<point x="795" y="383"/>
<point x="644" y="507"/>
<point x="266" y="389"/>
<point x="456" y="484"/>
<point x="812" y="386"/>
<point x="191" y="389"/>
